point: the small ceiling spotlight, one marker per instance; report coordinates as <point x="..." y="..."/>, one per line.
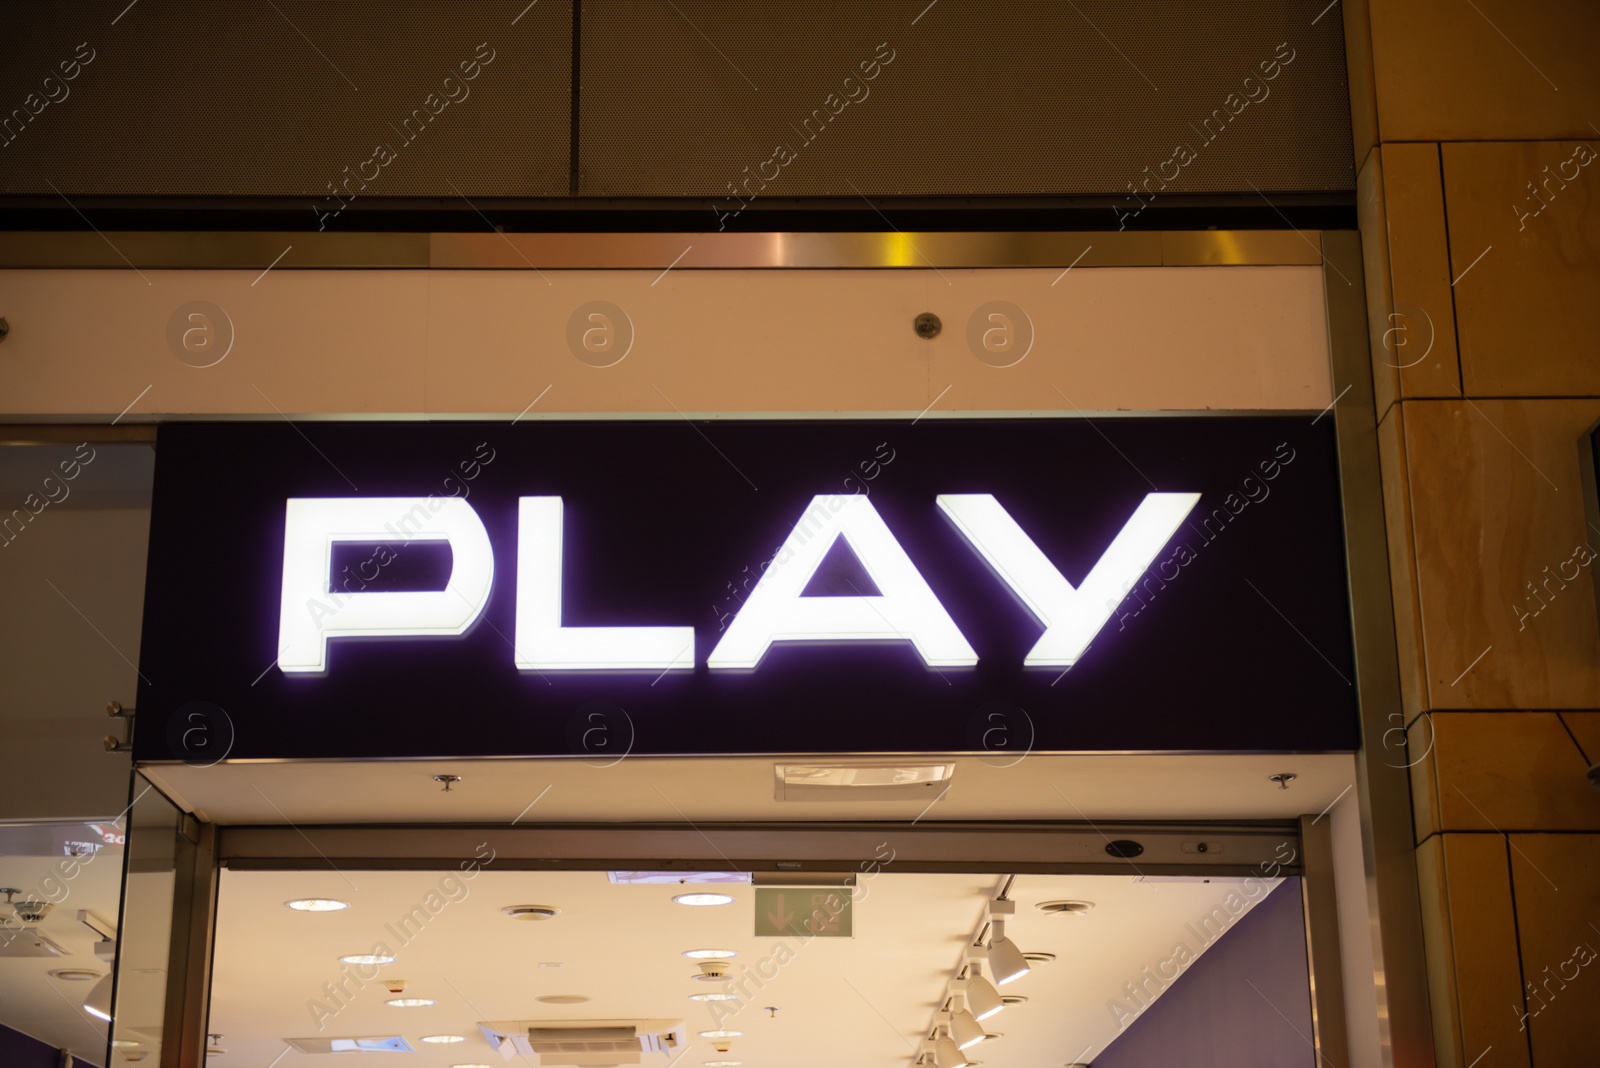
<point x="703" y="899"/>
<point x="1283" y="779"/>
<point x="448" y="781"/>
<point x="983" y="999"/>
<point x="98" y="1003"/>
<point x="946" y="1054"/>
<point x="1004" y="956"/>
<point x="317" y="904"/>
<point x="964" y="1029"/>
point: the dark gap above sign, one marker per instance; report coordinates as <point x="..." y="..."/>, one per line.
<point x="588" y="589"/>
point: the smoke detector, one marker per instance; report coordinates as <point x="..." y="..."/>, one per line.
<point x="712" y="971"/>
<point x="531" y="912"/>
<point x="25" y="913"/>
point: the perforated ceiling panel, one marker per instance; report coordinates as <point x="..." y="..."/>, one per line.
<point x="957" y="97"/>
<point x="286" y="98"/>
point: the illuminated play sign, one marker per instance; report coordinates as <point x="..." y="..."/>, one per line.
<point x="905" y="608"/>
<point x="597" y="589"/>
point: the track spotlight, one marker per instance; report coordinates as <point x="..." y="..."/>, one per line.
<point x="983" y="1000"/>
<point x="1004" y="956"/>
<point x="964" y="1029"/>
<point x="98" y="1003"/>
<point x="947" y="1054"/>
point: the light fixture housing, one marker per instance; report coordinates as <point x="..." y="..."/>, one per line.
<point x="1004" y="957"/>
<point x="965" y="1030"/>
<point x="949" y="1055"/>
<point x="98" y="1003"/>
<point x="983" y="1000"/>
<point x="703" y="899"/>
<point x="317" y="904"/>
<point x="1006" y="960"/>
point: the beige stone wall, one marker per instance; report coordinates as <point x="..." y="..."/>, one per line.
<point x="1480" y="218"/>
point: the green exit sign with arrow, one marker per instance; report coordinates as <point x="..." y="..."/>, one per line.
<point x="805" y="911"/>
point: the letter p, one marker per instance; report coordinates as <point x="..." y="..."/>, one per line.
<point x="313" y="525"/>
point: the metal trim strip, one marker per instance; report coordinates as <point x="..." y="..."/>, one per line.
<point x="238" y="250"/>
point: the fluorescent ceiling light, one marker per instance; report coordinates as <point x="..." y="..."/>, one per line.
<point x="410" y="1003"/>
<point x="444" y="1040"/>
<point x="361" y="1044"/>
<point x="713" y="997"/>
<point x="675" y="878"/>
<point x="703" y="899"/>
<point x="367" y="958"/>
<point x="317" y="904"/>
<point x="710" y="954"/>
<point x="721" y="1034"/>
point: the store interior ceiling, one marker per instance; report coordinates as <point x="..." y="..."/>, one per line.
<point x="32" y="1000"/>
<point x="862" y="1000"/>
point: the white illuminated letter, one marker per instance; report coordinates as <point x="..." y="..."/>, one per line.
<point x="905" y="608"/>
<point x="309" y="614"/>
<point x="543" y="644"/>
<point x="1071" y="617"/>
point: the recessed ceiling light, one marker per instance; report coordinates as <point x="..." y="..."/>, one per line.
<point x="1039" y="958"/>
<point x="75" y="975"/>
<point x="713" y="997"/>
<point x="444" y="1040"/>
<point x="721" y="1034"/>
<point x="531" y="912"/>
<point x="367" y="958"/>
<point x="317" y="904"/>
<point x="703" y="899"/>
<point x="1014" y="999"/>
<point x="709" y="954"/>
<point x="562" y="999"/>
<point x="410" y="1003"/>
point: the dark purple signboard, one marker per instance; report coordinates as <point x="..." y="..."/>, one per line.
<point x="755" y="586"/>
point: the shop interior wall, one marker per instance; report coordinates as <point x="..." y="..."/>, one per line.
<point x="73" y="576"/>
<point x="1481" y="228"/>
